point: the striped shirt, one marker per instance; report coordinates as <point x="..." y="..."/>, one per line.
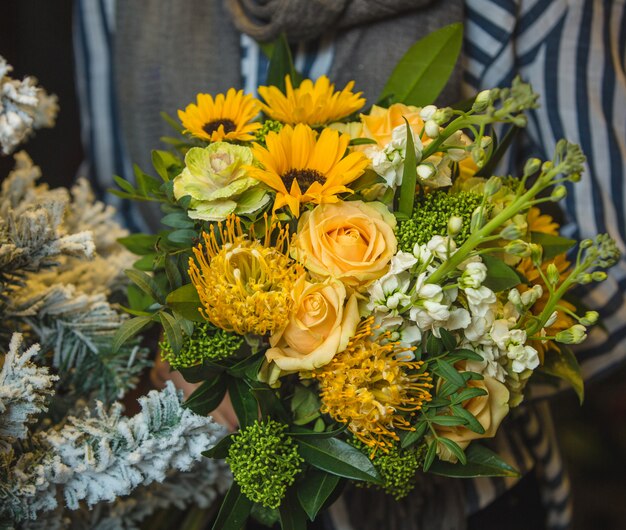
<point x="574" y="54"/>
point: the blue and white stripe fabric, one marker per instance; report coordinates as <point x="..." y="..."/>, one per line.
<point x="574" y="55"/>
<point x="93" y="29"/>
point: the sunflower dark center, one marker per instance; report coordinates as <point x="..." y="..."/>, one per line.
<point x="304" y="178"/>
<point x="212" y="126"/>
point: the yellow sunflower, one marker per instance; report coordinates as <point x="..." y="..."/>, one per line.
<point x="311" y="103"/>
<point x="223" y="118"/>
<point x="303" y="168"/>
<point x="543" y="223"/>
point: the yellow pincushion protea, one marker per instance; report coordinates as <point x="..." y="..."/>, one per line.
<point x="225" y="117"/>
<point x="244" y="284"/>
<point x="371" y="389"/>
<point x="311" y="103"/>
<point x="303" y="168"/>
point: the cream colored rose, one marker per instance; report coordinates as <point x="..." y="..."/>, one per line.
<point x="489" y="410"/>
<point x="322" y="322"/>
<point x="349" y="241"/>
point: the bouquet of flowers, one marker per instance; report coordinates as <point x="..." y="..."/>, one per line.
<point x="371" y="297"/>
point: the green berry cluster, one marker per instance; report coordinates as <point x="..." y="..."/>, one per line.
<point x="431" y="215"/>
<point x="398" y="467"/>
<point x="264" y="462"/>
<point x="205" y="343"/>
<point x="268" y="125"/>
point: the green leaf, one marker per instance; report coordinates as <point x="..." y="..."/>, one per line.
<point x="481" y="462"/>
<point x="201" y="372"/>
<point x="315" y="490"/>
<point x="220" y="449"/>
<point x="455" y="449"/>
<point x="552" y="245"/>
<point x="234" y="510"/>
<point x="564" y="365"/>
<point x="166" y="164"/>
<point x="464" y="354"/>
<point x="146" y="283"/>
<point x="140" y="244"/>
<point x="248" y="367"/>
<point x="124" y="184"/>
<point x="367" y="179"/>
<point x="408" y="438"/>
<point x="269" y="403"/>
<point x="243" y="402"/>
<point x="447" y="421"/>
<point x="297" y="432"/>
<point x="207" y="396"/>
<point x="429" y="459"/>
<point x="468" y="393"/>
<point x="448" y="339"/>
<point x="337" y="457"/>
<point x="183" y="236"/>
<point x="177" y="220"/>
<point x="173" y="272"/>
<point x="129" y="329"/>
<point x="472" y="423"/>
<point x="434" y="345"/>
<point x="305" y="405"/>
<point x="147" y="185"/>
<point x="292" y="515"/>
<point x="500" y="276"/>
<point x="171" y="122"/>
<point x="449" y="373"/>
<point x="424" y="70"/>
<point x="409" y="175"/>
<point x="146" y="263"/>
<point x="362" y="141"/>
<point x="172" y="331"/>
<point x="185" y="300"/>
<point x="137" y="299"/>
<point x="281" y="64"/>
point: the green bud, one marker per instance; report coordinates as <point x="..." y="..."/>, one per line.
<point x="478" y="219"/>
<point x="585" y="278"/>
<point x="598" y="276"/>
<point x="552" y="272"/>
<point x="511" y="232"/>
<point x="536" y="253"/>
<point x="590" y="318"/>
<point x="532" y="166"/>
<point x="558" y="193"/>
<point x="455" y="224"/>
<point x="586" y="243"/>
<point x="518" y="248"/>
<point x="493" y="186"/>
<point x="482" y="101"/>
<point x="574" y="335"/>
<point x="442" y="115"/>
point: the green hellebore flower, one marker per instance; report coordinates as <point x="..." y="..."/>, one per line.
<point x="218" y="184"/>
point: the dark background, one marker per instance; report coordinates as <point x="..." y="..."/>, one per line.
<point x="36" y="38"/>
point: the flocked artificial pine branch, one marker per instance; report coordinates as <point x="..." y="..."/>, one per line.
<point x="60" y="268"/>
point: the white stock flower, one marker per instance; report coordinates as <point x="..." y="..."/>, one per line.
<point x="473" y="276"/>
<point x="489" y="365"/>
<point x="401" y="262"/>
<point x="442" y="247"/>
<point x="389" y="292"/>
<point x="480" y="300"/>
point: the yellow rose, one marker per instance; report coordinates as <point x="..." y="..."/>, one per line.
<point x="489" y="410"/>
<point x="322" y="322"/>
<point x="380" y="122"/>
<point x="349" y="241"/>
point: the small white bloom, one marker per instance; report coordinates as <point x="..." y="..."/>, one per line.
<point x="431" y="129"/>
<point x="442" y="247"/>
<point x="428" y="112"/>
<point x="401" y="262"/>
<point x="523" y="357"/>
<point x="473" y="276"/>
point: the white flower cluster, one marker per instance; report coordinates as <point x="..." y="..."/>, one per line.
<point x="407" y="305"/>
<point x="436" y="170"/>
<point x="24" y="107"/>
